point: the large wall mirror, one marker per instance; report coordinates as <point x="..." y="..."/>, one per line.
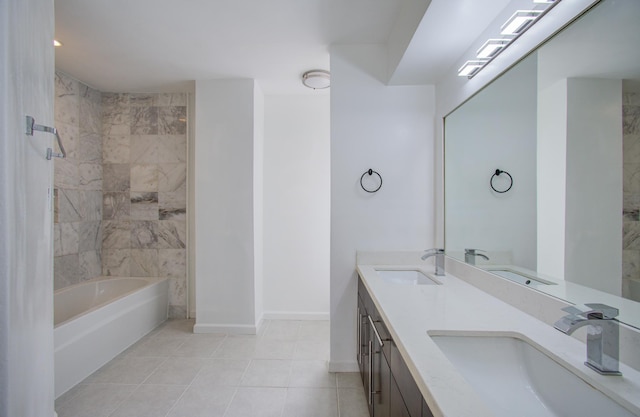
<point x="562" y="130"/>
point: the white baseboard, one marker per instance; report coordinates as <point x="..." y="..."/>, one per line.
<point x="226" y="328"/>
<point x="289" y="315"/>
<point x="343" y="366"/>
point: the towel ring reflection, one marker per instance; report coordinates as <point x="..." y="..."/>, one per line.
<point x="370" y="172"/>
<point x="497" y="174"/>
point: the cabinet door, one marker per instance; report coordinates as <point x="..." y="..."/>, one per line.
<point x="406" y="384"/>
<point x="363" y="341"/>
<point x="397" y="407"/>
<point x="380" y="377"/>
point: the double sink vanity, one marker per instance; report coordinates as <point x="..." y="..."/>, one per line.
<point x="436" y="345"/>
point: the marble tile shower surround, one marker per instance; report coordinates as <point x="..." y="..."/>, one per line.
<point x="144" y="157"/>
<point x="77" y="183"/>
<point x="631" y="191"/>
<point x="120" y="195"/>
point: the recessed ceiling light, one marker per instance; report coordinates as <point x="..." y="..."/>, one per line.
<point x="316" y="79"/>
<point x="470" y="68"/>
<point x="519" y="21"/>
<point x="57" y="42"/>
<point x="491" y="48"/>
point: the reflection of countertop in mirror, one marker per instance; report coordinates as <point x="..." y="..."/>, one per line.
<point x="412" y="311"/>
<point x="578" y="294"/>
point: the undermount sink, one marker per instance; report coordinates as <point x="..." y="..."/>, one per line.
<point x="519" y="277"/>
<point x="516" y="378"/>
<point x="405" y="277"/>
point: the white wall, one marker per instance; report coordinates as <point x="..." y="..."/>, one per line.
<point x="390" y="130"/>
<point x="296" y="206"/>
<point x="258" y="201"/>
<point x="224" y="206"/>
<point x="552" y="178"/>
<point x="496" y="129"/>
<point x="594" y="196"/>
<point x="26" y="179"/>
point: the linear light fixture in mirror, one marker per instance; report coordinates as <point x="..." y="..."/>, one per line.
<point x="565" y="124"/>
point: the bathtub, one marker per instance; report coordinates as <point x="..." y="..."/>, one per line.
<point x="96" y="320"/>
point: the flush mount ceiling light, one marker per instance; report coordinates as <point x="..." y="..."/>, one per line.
<point x="491" y="48"/>
<point x="316" y="79"/>
<point x="57" y="42"/>
<point x="470" y="68"/>
<point x="519" y="22"/>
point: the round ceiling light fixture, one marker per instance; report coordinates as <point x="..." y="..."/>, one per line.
<point x="316" y="79"/>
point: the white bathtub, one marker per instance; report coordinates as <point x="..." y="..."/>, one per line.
<point x="96" y="320"/>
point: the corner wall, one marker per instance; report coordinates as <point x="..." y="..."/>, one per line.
<point x="26" y="222"/>
<point x="297" y="196"/>
<point x="225" y="230"/>
<point x="390" y="130"/>
<point x="78" y="183"/>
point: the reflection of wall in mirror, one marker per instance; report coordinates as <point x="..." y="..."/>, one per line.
<point x="496" y="129"/>
<point x="631" y="188"/>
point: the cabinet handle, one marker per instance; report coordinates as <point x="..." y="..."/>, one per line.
<point x="370" y="372"/>
<point x="373" y="326"/>
<point x="359" y="337"/>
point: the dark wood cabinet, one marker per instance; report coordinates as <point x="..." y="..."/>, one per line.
<point x="389" y="386"/>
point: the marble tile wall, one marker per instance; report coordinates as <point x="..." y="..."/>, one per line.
<point x="631" y="190"/>
<point x="144" y="169"/>
<point x="77" y="183"/>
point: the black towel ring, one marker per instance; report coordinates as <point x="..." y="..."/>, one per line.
<point x="497" y="173"/>
<point x="370" y="172"/>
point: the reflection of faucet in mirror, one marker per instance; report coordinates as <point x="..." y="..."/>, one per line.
<point x="470" y="256"/>
<point x="603" y="337"/>
<point x="439" y="254"/>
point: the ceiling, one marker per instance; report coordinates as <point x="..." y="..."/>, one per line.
<point x="163" y="45"/>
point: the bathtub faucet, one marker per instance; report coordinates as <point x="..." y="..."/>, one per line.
<point x="439" y="254"/>
<point x="603" y="335"/>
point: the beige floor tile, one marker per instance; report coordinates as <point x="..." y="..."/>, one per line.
<point x="352" y="402"/>
<point x="311" y="373"/>
<point x="314" y="331"/>
<point x="274" y="349"/>
<point x="349" y="380"/>
<point x="95" y="400"/>
<point x="225" y="372"/>
<point x="311" y="402"/>
<point x="201" y="401"/>
<point x="126" y="370"/>
<point x="282" y="330"/>
<point x="176" y="371"/>
<point x="237" y="347"/>
<point x="150" y="401"/>
<point x="257" y="402"/>
<point x="267" y="373"/>
<point x="200" y="346"/>
<point x="157" y="346"/>
<point x="312" y="350"/>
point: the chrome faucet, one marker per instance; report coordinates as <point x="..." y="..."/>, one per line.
<point x="439" y="254"/>
<point x="603" y="335"/>
<point x="470" y="256"/>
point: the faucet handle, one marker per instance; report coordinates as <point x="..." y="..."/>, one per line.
<point x="593" y="311"/>
<point x="606" y="312"/>
<point x="472" y="251"/>
<point x="431" y="252"/>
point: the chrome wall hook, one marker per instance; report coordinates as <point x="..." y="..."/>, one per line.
<point x="31" y="126"/>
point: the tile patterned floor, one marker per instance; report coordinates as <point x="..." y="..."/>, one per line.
<point x="171" y="372"/>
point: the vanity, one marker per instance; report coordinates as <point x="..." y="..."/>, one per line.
<point x="438" y="346"/>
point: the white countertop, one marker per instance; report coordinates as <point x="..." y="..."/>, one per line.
<point x="410" y="311"/>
